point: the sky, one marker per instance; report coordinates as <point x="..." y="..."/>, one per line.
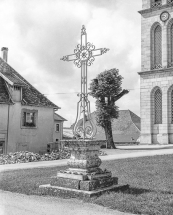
<point x="40" y="32"/>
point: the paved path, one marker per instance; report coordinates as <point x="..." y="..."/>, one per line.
<point x="137" y="151"/>
<point x="121" y="152"/>
<point x="19" y="204"/>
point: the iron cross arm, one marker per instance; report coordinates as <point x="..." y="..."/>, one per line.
<point x="98" y="52"/>
<point x="93" y="53"/>
<point x="71" y="57"/>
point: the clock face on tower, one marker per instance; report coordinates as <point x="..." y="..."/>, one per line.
<point x="164" y="16"/>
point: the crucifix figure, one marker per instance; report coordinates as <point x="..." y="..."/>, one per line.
<point x="83" y="56"/>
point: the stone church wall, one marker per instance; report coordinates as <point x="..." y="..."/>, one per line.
<point x="156" y="133"/>
<point x="153" y="79"/>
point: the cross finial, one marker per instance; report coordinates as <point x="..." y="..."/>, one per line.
<point x="83" y="31"/>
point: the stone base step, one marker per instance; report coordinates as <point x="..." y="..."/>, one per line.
<point x="56" y="190"/>
<point x="87" y="185"/>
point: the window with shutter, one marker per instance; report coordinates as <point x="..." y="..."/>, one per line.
<point x="29" y="118"/>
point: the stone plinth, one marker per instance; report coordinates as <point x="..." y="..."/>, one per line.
<point x="83" y="174"/>
<point x="84" y="155"/>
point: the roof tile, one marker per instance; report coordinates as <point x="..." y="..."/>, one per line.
<point x="30" y="96"/>
<point x="4" y="96"/>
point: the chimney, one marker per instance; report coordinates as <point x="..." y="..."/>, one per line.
<point x="4" y="53"/>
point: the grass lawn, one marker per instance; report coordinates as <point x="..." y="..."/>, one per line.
<point x="150" y="180"/>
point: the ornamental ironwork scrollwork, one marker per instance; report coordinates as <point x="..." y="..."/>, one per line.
<point x="78" y="63"/>
<point x="84" y="55"/>
<point x="83" y="30"/>
<point x="90" y="47"/>
<point x="78" y="48"/>
<point x="88" y="131"/>
<point x="90" y="61"/>
<point x="64" y="58"/>
<point x="104" y="50"/>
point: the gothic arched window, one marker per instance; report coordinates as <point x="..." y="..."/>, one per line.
<point x="170" y="43"/>
<point x="158" y="106"/>
<point x="171" y="35"/>
<point x="172" y="107"/>
<point x="157" y="47"/>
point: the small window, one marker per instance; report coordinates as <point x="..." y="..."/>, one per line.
<point x="57" y="127"/>
<point x="29" y="118"/>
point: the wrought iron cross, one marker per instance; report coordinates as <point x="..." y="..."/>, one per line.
<point x="84" y="55"/>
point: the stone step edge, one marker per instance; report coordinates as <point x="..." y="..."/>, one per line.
<point x="48" y="187"/>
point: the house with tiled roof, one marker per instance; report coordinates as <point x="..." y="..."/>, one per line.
<point x="125" y="129"/>
<point x="27" y="118"/>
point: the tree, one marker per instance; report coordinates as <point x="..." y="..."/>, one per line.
<point x="106" y="88"/>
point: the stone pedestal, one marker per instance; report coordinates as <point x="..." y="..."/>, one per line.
<point x="83" y="175"/>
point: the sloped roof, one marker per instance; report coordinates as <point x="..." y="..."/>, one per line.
<point x="136" y="120"/>
<point x="58" y="117"/>
<point x="126" y="128"/>
<point x="67" y="133"/>
<point x="4" y="95"/>
<point x="30" y="96"/>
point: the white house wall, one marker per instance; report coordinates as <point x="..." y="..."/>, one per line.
<point x="3" y="123"/>
<point x="31" y="139"/>
<point x="58" y="135"/>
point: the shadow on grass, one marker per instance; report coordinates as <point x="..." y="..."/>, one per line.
<point x="138" y="191"/>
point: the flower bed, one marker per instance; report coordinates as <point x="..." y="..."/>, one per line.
<point x="25" y="157"/>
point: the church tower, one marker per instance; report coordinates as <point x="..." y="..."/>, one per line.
<point x="156" y="76"/>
